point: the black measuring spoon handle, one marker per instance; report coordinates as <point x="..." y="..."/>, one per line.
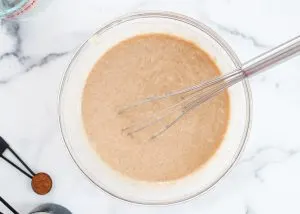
<point x="8" y="206"/>
<point x="5" y="146"/>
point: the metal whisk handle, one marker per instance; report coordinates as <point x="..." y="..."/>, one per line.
<point x="192" y="97"/>
<point x="270" y="58"/>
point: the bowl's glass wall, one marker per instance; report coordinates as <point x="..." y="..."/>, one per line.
<point x="9" y="7"/>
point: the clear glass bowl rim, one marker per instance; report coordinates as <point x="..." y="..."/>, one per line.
<point x="186" y="20"/>
<point x="14" y="9"/>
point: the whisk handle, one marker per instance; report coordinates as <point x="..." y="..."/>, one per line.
<point x="272" y="57"/>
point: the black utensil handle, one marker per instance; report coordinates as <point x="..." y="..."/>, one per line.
<point x="18" y="168"/>
<point x="8" y="206"/>
<point x="3" y="147"/>
<point x="22" y="162"/>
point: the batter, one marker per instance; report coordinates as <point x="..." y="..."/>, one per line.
<point x="143" y="66"/>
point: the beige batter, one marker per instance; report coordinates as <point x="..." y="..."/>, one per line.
<point x="140" y="67"/>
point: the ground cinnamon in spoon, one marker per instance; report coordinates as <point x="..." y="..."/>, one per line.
<point x="41" y="183"/>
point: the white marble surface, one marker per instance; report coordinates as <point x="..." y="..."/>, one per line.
<point x="34" y="55"/>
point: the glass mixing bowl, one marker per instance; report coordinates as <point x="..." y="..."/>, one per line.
<point x="22" y="9"/>
<point x="74" y="134"/>
<point x="9" y="7"/>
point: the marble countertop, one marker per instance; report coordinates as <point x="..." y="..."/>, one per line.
<point x="35" y="53"/>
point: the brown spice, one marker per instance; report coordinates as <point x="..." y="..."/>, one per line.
<point x="41" y="183"/>
<point x="143" y="66"/>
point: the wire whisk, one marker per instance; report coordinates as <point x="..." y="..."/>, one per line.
<point x="191" y="97"/>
